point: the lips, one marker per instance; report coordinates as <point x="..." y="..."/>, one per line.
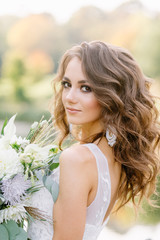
<point x="73" y="110"/>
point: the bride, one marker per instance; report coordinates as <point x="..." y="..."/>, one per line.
<point x="102" y="98"/>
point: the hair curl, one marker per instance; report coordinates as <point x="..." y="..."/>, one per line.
<point x="128" y="108"/>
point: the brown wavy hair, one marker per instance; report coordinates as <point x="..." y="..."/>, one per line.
<point x="129" y="110"/>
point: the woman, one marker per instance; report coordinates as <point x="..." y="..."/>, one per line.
<point x="105" y="97"/>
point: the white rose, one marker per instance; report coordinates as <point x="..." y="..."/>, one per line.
<point x="9" y="163"/>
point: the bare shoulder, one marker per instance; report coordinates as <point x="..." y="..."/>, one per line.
<point x="77" y="168"/>
<point x="77" y="154"/>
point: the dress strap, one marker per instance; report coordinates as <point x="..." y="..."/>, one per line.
<point x="103" y="196"/>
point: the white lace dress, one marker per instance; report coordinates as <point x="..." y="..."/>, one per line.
<point x="43" y="230"/>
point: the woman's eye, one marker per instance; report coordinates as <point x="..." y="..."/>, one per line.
<point x="65" y="84"/>
<point x="86" y="88"/>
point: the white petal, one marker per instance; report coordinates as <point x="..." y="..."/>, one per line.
<point x="10" y="128"/>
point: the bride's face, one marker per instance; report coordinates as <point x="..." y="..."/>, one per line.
<point x="80" y="104"/>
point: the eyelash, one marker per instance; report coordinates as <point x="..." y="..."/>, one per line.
<point x="64" y="83"/>
<point x="87" y="87"/>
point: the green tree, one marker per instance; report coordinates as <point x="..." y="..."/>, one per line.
<point x="15" y="71"/>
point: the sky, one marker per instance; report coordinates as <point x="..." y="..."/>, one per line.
<point x="63" y="9"/>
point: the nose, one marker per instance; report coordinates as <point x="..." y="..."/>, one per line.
<point x="71" y="95"/>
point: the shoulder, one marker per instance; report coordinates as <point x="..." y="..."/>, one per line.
<point x="77" y="154"/>
<point x="76" y="169"/>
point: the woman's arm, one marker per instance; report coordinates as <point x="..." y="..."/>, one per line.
<point x="69" y="214"/>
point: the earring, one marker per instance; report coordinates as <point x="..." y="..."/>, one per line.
<point x="111" y="137"/>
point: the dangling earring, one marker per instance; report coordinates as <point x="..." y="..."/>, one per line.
<point x="111" y="137"/>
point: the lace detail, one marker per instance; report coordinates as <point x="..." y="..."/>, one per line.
<point x="43" y="230"/>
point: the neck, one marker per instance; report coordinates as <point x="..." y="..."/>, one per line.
<point x="90" y="129"/>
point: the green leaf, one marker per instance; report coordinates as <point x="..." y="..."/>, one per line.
<point x="54" y="191"/>
<point x="54" y="162"/>
<point x="53" y="166"/>
<point x="34" y="188"/>
<point x="4" y="124"/>
<point x="52" y="187"/>
<point x="54" y="150"/>
<point x="3" y="233"/>
<point x="12" y="228"/>
<point x="22" y="235"/>
<point x="15" y="232"/>
<point x="15" y="146"/>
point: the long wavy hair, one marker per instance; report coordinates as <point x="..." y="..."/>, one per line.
<point x="129" y="111"/>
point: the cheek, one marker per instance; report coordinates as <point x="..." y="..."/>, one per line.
<point x="93" y="106"/>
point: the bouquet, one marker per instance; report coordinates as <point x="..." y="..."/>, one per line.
<point x="23" y="162"/>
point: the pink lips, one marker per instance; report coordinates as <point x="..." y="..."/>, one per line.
<point x="72" y="110"/>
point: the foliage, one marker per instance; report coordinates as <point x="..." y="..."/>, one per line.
<point x="11" y="231"/>
<point x="15" y="70"/>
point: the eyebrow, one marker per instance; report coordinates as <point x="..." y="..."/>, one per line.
<point x="81" y="81"/>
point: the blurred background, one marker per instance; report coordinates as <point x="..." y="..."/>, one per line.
<point x="33" y="37"/>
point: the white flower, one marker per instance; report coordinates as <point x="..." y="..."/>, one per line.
<point x="14" y="189"/>
<point x="38" y="155"/>
<point x="26" y="158"/>
<point x="9" y="163"/>
<point x="19" y="140"/>
<point x="15" y="213"/>
<point x="22" y="142"/>
<point x="4" y="143"/>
